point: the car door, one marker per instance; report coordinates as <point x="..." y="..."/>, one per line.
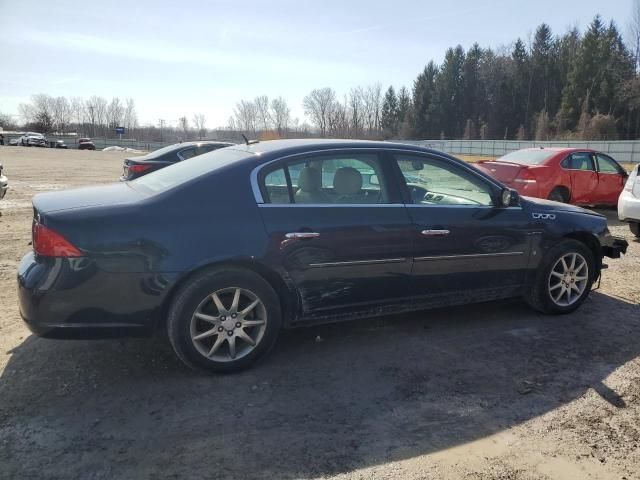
<point x="463" y="242"/>
<point x="342" y="244"/>
<point x="583" y="175"/>
<point x="611" y="179"/>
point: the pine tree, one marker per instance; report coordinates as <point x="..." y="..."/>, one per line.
<point x="425" y="103"/>
<point x="520" y="92"/>
<point x="450" y="86"/>
<point x="404" y="104"/>
<point x="389" y="116"/>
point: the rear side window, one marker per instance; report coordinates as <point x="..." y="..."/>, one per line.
<point x="187" y="153"/>
<point x="337" y="178"/>
<point x="579" y="161"/>
<point x="607" y="165"/>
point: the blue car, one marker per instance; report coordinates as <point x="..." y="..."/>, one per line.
<point x="225" y="250"/>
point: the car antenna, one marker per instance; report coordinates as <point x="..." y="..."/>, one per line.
<point x="247" y="141"/>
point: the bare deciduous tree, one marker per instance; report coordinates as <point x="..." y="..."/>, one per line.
<point x="200" y="121"/>
<point x="183" y="124"/>
<point x="262" y="111"/>
<point x="115" y="111"/>
<point x="246" y="116"/>
<point x="62" y="113"/>
<point x="130" y="118"/>
<point x="318" y="105"/>
<point x="281" y="115"/>
<point x="77" y="110"/>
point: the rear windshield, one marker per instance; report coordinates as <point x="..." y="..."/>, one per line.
<point x="528" y="157"/>
<point x="182" y="172"/>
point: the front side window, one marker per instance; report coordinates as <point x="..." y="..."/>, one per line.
<point x="435" y="182"/>
<point x="340" y="179"/>
<point x="606" y="164"/>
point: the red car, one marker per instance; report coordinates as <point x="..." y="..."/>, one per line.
<point x="569" y="175"/>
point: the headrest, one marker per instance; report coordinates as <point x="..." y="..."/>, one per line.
<point x="347" y="181"/>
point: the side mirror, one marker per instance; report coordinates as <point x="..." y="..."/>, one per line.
<point x="417" y="165"/>
<point x="509" y="198"/>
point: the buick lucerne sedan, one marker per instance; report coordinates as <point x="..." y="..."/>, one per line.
<point x="223" y="251"/>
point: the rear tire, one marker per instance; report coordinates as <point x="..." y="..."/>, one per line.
<point x="549" y="293"/>
<point x="635" y="228"/>
<point x="558" y="195"/>
<point x="210" y="329"/>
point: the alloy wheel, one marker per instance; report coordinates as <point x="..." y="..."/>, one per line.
<point x="568" y="279"/>
<point x="228" y="324"/>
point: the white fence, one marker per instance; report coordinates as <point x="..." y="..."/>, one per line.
<point x="623" y="151"/>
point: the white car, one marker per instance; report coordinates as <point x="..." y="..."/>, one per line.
<point x="31" y="139"/>
<point x="629" y="201"/>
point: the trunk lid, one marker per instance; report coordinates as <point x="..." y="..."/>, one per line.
<point x="109" y="194"/>
<point x="505" y="172"/>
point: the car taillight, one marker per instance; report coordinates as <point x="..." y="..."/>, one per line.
<point x="48" y="243"/>
<point x="525" y="176"/>
<point x="138" y="168"/>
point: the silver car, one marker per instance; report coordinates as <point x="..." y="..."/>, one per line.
<point x="31" y="139"/>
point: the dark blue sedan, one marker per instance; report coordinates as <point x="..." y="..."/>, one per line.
<point x="223" y="251"/>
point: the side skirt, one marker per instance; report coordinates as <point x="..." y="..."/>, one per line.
<point x="410" y="305"/>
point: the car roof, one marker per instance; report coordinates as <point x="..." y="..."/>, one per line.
<point x="294" y="146"/>
<point x="198" y="142"/>
<point x="561" y="149"/>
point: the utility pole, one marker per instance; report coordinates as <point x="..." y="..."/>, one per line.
<point x="161" y="121"/>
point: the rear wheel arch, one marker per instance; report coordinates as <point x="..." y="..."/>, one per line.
<point x="284" y="292"/>
<point x="562" y="190"/>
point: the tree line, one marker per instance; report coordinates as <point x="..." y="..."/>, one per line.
<point x="569" y="86"/>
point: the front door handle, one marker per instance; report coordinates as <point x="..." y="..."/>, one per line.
<point x="435" y="233"/>
<point x="302" y="235"/>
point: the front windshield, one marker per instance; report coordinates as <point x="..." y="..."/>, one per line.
<point x="181" y="172"/>
<point x="528" y="157"/>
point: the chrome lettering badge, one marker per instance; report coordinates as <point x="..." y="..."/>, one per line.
<point x="543" y="216"/>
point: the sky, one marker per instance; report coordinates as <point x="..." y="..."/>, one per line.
<point x="179" y="58"/>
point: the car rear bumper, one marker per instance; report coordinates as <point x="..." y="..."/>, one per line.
<point x="628" y="207"/>
<point x="73" y="298"/>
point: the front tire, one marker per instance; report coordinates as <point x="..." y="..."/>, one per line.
<point x="635" y="228"/>
<point x="224" y="320"/>
<point x="564" y="278"/>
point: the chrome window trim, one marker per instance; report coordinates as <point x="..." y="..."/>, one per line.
<point x="257" y="193"/>
<point x="328" y="205"/>
<point x="359" y="262"/>
<point x="469" y="255"/>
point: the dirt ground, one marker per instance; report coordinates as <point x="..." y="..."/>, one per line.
<point x="491" y="391"/>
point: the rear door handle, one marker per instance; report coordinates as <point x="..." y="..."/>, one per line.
<point x="435" y="233"/>
<point x="302" y="235"/>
